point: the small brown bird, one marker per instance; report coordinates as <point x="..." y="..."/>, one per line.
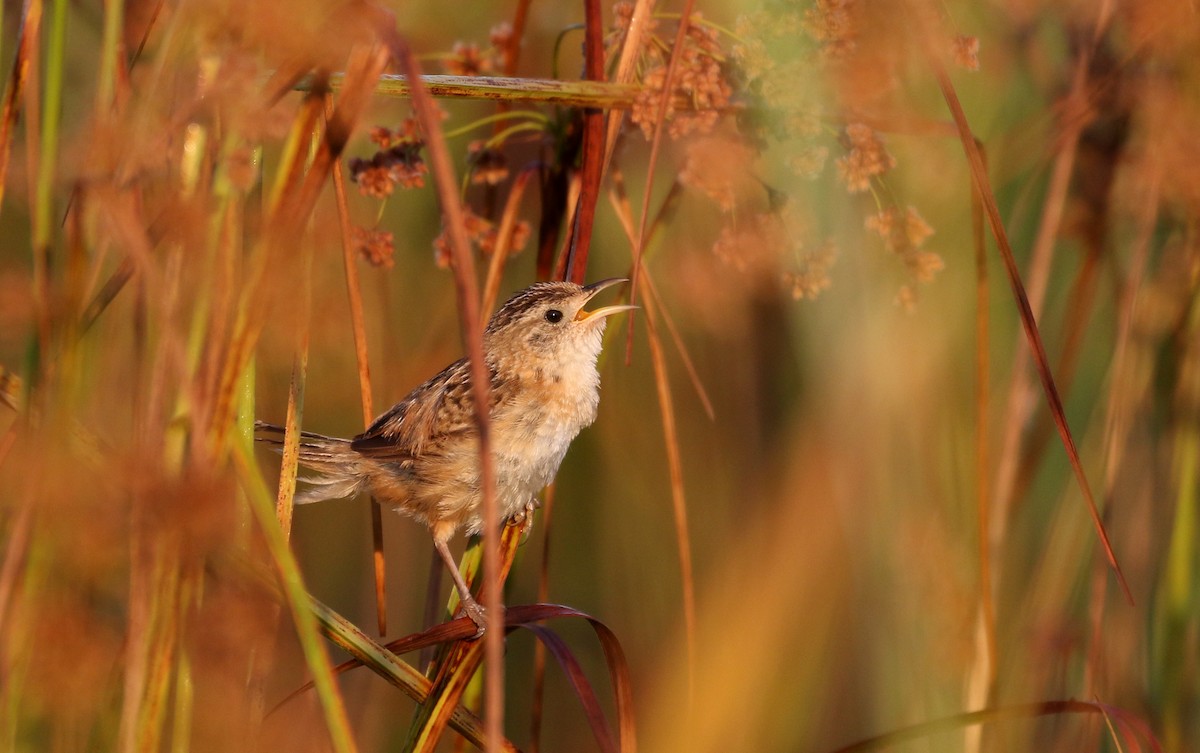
<point x="421" y="457"/>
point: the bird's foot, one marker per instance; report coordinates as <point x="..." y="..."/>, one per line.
<point x="524" y="517"/>
<point x="477" y="613"/>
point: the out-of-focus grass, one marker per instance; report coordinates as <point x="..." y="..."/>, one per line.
<point x="831" y="501"/>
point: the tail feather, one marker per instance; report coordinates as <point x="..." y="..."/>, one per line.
<point x="272" y="429"/>
<point x="327" y="487"/>
<point x="331" y="457"/>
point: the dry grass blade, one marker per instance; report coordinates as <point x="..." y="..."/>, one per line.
<point x="674" y="456"/>
<point x="296" y="197"/>
<point x="359" y="327"/>
<point x="157" y="588"/>
<point x="1080" y="308"/>
<point x="1131" y="723"/>
<point x="573" y="190"/>
<point x="512" y="50"/>
<point x="660" y="117"/>
<point x="297" y="600"/>
<point x="290" y="463"/>
<point x="592" y="164"/>
<point x="620" y="202"/>
<point x="543" y="91"/>
<point x="982" y="455"/>
<point x="666" y="404"/>
<point x="1119" y="403"/>
<point x="537" y="709"/>
<point x="16" y="546"/>
<point x="579" y="683"/>
<point x="680" y="348"/>
<point x="504" y="237"/>
<point x="614" y="656"/>
<point x="1020" y="392"/>
<point x="31" y="21"/>
<point x="457" y="661"/>
<point x="385" y="663"/>
<point x="105" y="295"/>
<point x="467" y="292"/>
<point x="1028" y="322"/>
<point x="631" y="50"/>
<point x="445" y="696"/>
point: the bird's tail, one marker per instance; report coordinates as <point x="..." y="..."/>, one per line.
<point x="330" y="457"/>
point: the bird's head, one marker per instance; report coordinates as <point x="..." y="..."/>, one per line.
<point x="548" y="320"/>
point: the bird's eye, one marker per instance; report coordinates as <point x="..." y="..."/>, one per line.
<point x="554" y="316"/>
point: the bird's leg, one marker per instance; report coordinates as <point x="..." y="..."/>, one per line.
<point x="468" y="603"/>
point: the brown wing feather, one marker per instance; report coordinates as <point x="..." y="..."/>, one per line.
<point x="439" y="409"/>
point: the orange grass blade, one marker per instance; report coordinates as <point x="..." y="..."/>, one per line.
<point x="592" y="164"/>
<point x="512" y="50"/>
<point x="1080" y="306"/>
<point x="457" y="662"/>
<point x="291" y="586"/>
<point x="539" y="651"/>
<point x="295" y="198"/>
<point x="680" y="348"/>
<point x="467" y="292"/>
<point x="674" y="463"/>
<point x="660" y="118"/>
<point x="631" y="48"/>
<point x="982" y="454"/>
<point x="678" y="494"/>
<point x="504" y="236"/>
<point x="620" y="202"/>
<point x="290" y="463"/>
<point x="359" y="328"/>
<point x="16" y="548"/>
<point x="992" y="213"/>
<point x="1041" y="256"/>
<point x="1121" y="393"/>
<point x="31" y="21"/>
<point x="574" y="190"/>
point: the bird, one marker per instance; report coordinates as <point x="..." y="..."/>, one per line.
<point x="421" y="456"/>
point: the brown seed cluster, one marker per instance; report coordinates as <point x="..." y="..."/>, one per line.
<point x="469" y="59"/>
<point x="501" y="35"/>
<point x="753" y="244"/>
<point x="965" y="51"/>
<point x="10" y="388"/>
<point x="376" y="246"/>
<point x="717" y="167"/>
<point x="811" y="276"/>
<point x="466" y="60"/>
<point x="781" y="77"/>
<point x="699" y="80"/>
<point x="397" y="163"/>
<point x="809" y="162"/>
<point x="904" y="233"/>
<point x="866" y="158"/>
<point x="484" y="236"/>
<point x="833" y="23"/>
<point x="773" y="240"/>
<point x="488" y="165"/>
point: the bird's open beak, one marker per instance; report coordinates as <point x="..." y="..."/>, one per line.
<point x="600" y="313"/>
